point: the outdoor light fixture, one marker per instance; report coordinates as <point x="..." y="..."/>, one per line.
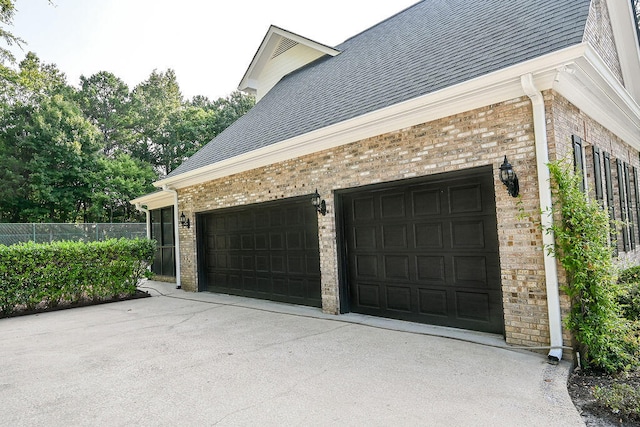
<point x="321" y="205"/>
<point x="509" y="178"/>
<point x="184" y="221"/>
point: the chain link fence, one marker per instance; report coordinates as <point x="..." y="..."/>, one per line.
<point x="44" y="233"/>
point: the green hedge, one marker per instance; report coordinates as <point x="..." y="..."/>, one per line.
<point x="45" y="275"/>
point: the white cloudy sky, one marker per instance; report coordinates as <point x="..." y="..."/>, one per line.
<point x="209" y="43"/>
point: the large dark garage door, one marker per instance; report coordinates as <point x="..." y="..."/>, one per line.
<point x="268" y="251"/>
<point x="426" y="252"/>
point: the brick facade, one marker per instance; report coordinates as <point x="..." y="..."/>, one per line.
<point x="467" y="140"/>
<point x="599" y="34"/>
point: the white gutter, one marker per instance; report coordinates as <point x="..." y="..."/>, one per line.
<point x="148" y="216"/>
<point x="544" y="186"/>
<point x="177" y="233"/>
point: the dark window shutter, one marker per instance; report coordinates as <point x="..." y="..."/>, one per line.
<point x="578" y="159"/>
<point x="623" y="207"/>
<point x="627" y="196"/>
<point x="597" y="174"/>
<point x="636" y="198"/>
<point x="610" y="202"/>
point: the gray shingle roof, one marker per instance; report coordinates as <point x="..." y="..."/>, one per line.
<point x="429" y="46"/>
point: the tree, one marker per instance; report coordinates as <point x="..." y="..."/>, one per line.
<point x="46" y="154"/>
<point x="116" y="181"/>
<point x="154" y="101"/>
<point x="7" y="11"/>
<point x="106" y="102"/>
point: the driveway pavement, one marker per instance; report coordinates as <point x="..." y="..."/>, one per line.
<point x="184" y="359"/>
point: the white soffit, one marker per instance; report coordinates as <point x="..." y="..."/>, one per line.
<point x="159" y="199"/>
<point x="493" y="88"/>
<point x="275" y="42"/>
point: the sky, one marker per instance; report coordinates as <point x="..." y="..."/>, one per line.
<point x="208" y="43"/>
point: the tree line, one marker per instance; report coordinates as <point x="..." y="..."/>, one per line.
<point x="79" y="154"/>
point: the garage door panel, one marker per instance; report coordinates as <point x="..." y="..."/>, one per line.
<point x="431" y="269"/>
<point x="428" y="236"/>
<point x="467" y="234"/>
<point x="276" y="241"/>
<point x="465" y="199"/>
<point x="295" y="241"/>
<point x="470" y="271"/>
<point x="426" y="251"/>
<point x="295" y="264"/>
<point x="261" y="241"/>
<point x="363" y="209"/>
<point x="399" y="298"/>
<point x="396" y="267"/>
<point x="368" y="295"/>
<point x="392" y="206"/>
<point x="432" y="302"/>
<point x="264" y="251"/>
<point x="365" y="237"/>
<point x="278" y="264"/>
<point x="366" y="266"/>
<point x="426" y="202"/>
<point x="394" y="236"/>
<point x="473" y="306"/>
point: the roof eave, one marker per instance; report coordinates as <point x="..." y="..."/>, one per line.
<point x="549" y="71"/>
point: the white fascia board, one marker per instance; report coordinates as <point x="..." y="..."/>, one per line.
<point x="159" y="199"/>
<point x="486" y="90"/>
<point x="590" y="85"/>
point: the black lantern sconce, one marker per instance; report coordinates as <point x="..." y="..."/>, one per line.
<point x="184" y="221"/>
<point x="509" y="178"/>
<point x="320" y="205"/>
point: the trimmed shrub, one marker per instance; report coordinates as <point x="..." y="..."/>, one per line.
<point x="47" y="275"/>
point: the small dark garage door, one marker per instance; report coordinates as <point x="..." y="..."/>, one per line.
<point x="268" y="251"/>
<point x="426" y="251"/>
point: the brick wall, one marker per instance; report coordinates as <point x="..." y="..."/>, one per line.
<point x="476" y="138"/>
<point x="599" y="34"/>
<point x="471" y="139"/>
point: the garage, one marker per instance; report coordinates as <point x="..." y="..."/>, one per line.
<point x="267" y="251"/>
<point x="424" y="251"/>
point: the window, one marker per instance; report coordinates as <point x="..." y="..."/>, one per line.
<point x="162" y="231"/>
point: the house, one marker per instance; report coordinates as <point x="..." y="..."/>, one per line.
<point x="398" y="135"/>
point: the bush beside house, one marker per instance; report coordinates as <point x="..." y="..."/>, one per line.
<point x="48" y="275"/>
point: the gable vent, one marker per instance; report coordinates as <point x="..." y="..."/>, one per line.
<point x="285" y="45"/>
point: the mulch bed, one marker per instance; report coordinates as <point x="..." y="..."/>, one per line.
<point x="581" y="385"/>
<point x="21" y="311"/>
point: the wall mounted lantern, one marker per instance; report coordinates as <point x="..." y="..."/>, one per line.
<point x="509" y="178"/>
<point x="184" y="221"/>
<point x="320" y="205"/>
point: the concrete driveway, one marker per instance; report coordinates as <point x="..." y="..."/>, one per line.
<point x="205" y="359"/>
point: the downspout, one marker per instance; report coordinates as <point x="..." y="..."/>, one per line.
<point x="177" y="233"/>
<point x="544" y="186"/>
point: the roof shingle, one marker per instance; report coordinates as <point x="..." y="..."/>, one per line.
<point x="429" y="46"/>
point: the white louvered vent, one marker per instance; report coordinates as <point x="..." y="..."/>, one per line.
<point x="285" y="45"/>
